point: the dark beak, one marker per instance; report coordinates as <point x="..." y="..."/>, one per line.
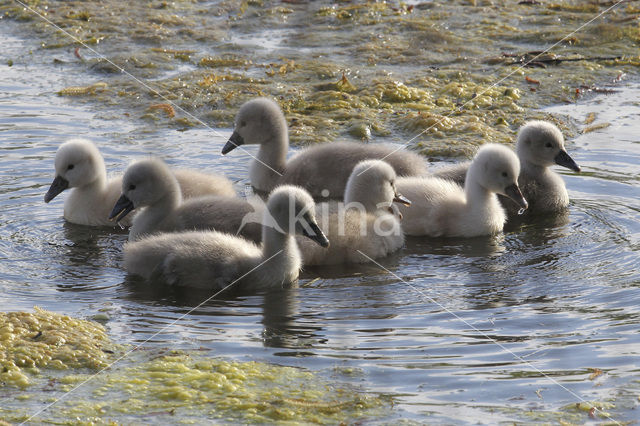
<point x="513" y="192"/>
<point x="400" y="199"/>
<point x="563" y="159"/>
<point x="234" y="141"/>
<point x="58" y="185"/>
<point x="317" y="235"/>
<point x="122" y="208"/>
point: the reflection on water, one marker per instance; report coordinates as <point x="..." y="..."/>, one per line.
<point x="560" y="293"/>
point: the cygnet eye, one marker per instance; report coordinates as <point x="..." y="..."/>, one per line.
<point x="70" y="167"/>
<point x="548" y="145"/>
<point x="132" y="187"/>
<point x="505" y="174"/>
<point x="243" y="123"/>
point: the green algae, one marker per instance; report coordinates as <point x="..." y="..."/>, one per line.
<point x="411" y="66"/>
<point x="83" y="90"/>
<point x="30" y="342"/>
<point x="190" y="387"/>
<point x="596" y="408"/>
<point x="44" y="355"/>
<point x="241" y="391"/>
<point x="230" y="61"/>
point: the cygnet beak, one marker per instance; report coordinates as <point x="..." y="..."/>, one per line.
<point x="122" y="208"/>
<point x="513" y="192"/>
<point x="400" y="199"/>
<point x="317" y="235"/>
<point x="58" y="185"/>
<point x="234" y="141"/>
<point x="563" y="159"/>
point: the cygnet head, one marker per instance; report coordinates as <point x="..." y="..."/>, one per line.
<point x="541" y="143"/>
<point x="258" y="121"/>
<point x="496" y="168"/>
<point x="292" y="210"/>
<point x="145" y="183"/>
<point x="372" y="183"/>
<point x="78" y="163"/>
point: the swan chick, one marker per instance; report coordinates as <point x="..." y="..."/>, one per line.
<point x="322" y="170"/>
<point x="364" y="227"/>
<point x="540" y="145"/>
<point x="150" y="187"/>
<point x="442" y="208"/>
<point x="215" y="260"/>
<point x="80" y="166"/>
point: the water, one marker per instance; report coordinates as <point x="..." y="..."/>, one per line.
<point x="459" y="330"/>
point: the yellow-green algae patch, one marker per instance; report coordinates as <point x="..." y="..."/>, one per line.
<point x="154" y="384"/>
<point x="192" y="387"/>
<point x="595" y="408"/>
<point x="83" y="90"/>
<point x="30" y="341"/>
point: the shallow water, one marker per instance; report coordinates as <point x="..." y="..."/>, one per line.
<point x="477" y="330"/>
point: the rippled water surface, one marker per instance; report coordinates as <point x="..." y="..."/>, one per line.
<point x="477" y="330"/>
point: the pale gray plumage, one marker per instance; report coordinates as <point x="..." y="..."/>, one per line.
<point x="318" y="168"/>
<point x="197" y="184"/>
<point x="455" y="172"/>
<point x="362" y="227"/>
<point x="442" y="208"/>
<point x="539" y="145"/>
<point x="149" y="187"/>
<point x="225" y="214"/>
<point x="213" y="260"/>
<point x="80" y="166"/>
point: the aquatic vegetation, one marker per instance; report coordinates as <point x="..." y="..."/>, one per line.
<point x="412" y="62"/>
<point x="83" y="90"/>
<point x="575" y="413"/>
<point x="594" y="408"/>
<point x="33" y="341"/>
<point x="166" y="108"/>
<point x="55" y="351"/>
<point x="595" y="127"/>
<point x="187" y="386"/>
<point x="216" y="62"/>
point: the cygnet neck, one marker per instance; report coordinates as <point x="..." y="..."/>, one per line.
<point x="154" y="214"/>
<point x="275" y="241"/>
<point x="170" y="201"/>
<point x="273" y="150"/>
<point x="476" y="194"/>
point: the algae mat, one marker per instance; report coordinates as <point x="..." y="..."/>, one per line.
<point x="45" y="355"/>
<point x="446" y="76"/>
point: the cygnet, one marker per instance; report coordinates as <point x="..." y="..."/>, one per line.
<point x="322" y="170"/>
<point x="150" y="187"/>
<point x="442" y="208"/>
<point x="364" y="227"/>
<point x="215" y="260"/>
